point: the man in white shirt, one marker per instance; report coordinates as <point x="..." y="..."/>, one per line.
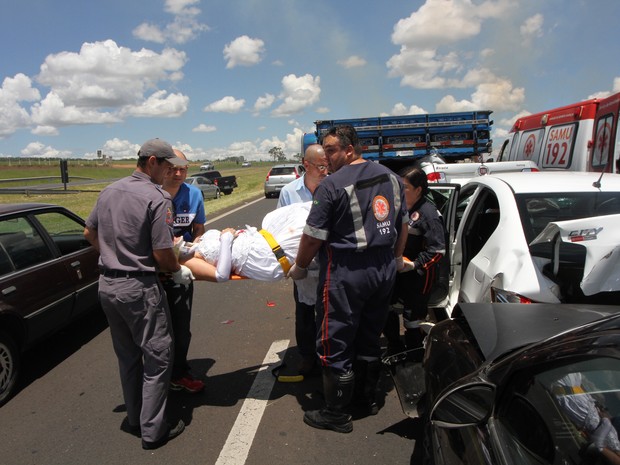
<point x="304" y="291"/>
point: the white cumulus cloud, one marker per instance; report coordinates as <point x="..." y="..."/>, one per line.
<point x="422" y="62"/>
<point x="13" y="115"/>
<point x="183" y="28"/>
<point x="159" y="103"/>
<point x="227" y="104"/>
<point x="264" y="102"/>
<point x="532" y="27"/>
<point x="244" y="51"/>
<point x="204" y="128"/>
<point x="39" y="150"/>
<point x="352" y="62"/>
<point x="298" y="92"/>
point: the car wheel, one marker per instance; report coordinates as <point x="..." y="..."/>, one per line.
<point x="217" y="194"/>
<point x="9" y="366"/>
<point x="228" y="192"/>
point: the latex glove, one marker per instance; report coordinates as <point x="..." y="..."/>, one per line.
<point x="187" y="250"/>
<point x="297" y="272"/>
<point x="183" y="276"/>
<point x="408" y="265"/>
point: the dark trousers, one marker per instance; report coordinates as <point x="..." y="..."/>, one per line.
<point x="180" y="299"/>
<point x="353" y="309"/>
<point x="305" y="327"/>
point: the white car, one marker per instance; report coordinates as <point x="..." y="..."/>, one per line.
<point x="549" y="237"/>
<point x="460" y="173"/>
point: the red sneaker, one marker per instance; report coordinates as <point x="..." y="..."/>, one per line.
<point x="187" y="384"/>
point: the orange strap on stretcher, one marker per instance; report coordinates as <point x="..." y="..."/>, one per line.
<point x="277" y="250"/>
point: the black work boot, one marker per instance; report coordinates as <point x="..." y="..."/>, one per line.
<point x="367" y="376"/>
<point x="338" y="391"/>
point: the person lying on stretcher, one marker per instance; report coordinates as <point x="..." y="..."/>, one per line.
<point x="264" y="255"/>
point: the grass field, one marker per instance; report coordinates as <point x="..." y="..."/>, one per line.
<point x="81" y="198"/>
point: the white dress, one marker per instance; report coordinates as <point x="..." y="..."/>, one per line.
<point x="252" y="256"/>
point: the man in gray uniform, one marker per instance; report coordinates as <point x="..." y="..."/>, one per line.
<point x="131" y="228"/>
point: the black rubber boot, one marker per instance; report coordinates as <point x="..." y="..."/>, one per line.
<point x="367" y="376"/>
<point x="338" y="390"/>
<point x="373" y="373"/>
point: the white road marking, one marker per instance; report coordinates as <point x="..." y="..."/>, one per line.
<point x="237" y="446"/>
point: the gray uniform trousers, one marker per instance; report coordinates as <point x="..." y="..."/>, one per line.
<point x="139" y="319"/>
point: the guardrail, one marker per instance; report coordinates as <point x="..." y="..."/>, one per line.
<point x="41" y="178"/>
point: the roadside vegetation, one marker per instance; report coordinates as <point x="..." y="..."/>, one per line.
<point x="80" y="198"/>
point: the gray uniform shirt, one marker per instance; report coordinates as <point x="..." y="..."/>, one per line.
<point x="133" y="217"/>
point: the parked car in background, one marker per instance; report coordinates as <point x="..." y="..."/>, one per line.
<point x="517" y="385"/>
<point x="208" y="166"/>
<point x="225" y="183"/>
<point x="246" y="164"/>
<point x="48" y="277"/>
<point x="547" y="237"/>
<point x="280" y="175"/>
<point x="206" y="186"/>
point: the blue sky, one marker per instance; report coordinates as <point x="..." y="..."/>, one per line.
<point x="219" y="78"/>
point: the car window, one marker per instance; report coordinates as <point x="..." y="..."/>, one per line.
<point x="537" y="210"/>
<point x="463" y="201"/>
<point x="282" y="171"/>
<point x="563" y="412"/>
<point x="67" y="233"/>
<point x="481" y="222"/>
<point x="5" y="262"/>
<point x="22" y="243"/>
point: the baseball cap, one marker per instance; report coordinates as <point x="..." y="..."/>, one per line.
<point x="161" y="149"/>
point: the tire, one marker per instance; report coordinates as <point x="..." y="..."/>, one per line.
<point x="228" y="192"/>
<point x="9" y="366"/>
<point x="217" y="194"/>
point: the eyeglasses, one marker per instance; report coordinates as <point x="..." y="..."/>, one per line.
<point x="319" y="167"/>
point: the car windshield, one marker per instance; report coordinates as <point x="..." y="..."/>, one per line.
<point x="537" y="210"/>
<point x="282" y="171"/>
<point x="566" y="414"/>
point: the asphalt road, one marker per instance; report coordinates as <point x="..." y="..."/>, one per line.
<point x="69" y="407"/>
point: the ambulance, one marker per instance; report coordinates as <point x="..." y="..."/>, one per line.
<point x="579" y="137"/>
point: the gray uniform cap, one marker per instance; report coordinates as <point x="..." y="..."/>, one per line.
<point x="161" y="149"/>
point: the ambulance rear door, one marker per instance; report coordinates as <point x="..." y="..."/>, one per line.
<point x="606" y="151"/>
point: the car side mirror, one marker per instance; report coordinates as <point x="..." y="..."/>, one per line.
<point x="466" y="405"/>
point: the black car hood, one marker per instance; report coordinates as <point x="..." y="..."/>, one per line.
<point x="500" y="328"/>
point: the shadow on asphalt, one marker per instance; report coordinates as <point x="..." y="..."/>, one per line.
<point x="46" y="355"/>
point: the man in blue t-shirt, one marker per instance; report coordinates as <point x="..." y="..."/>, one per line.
<point x="357" y="225"/>
<point x="189" y="224"/>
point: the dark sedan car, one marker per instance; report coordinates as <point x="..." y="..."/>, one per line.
<point x="518" y="384"/>
<point x="48" y="277"/>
